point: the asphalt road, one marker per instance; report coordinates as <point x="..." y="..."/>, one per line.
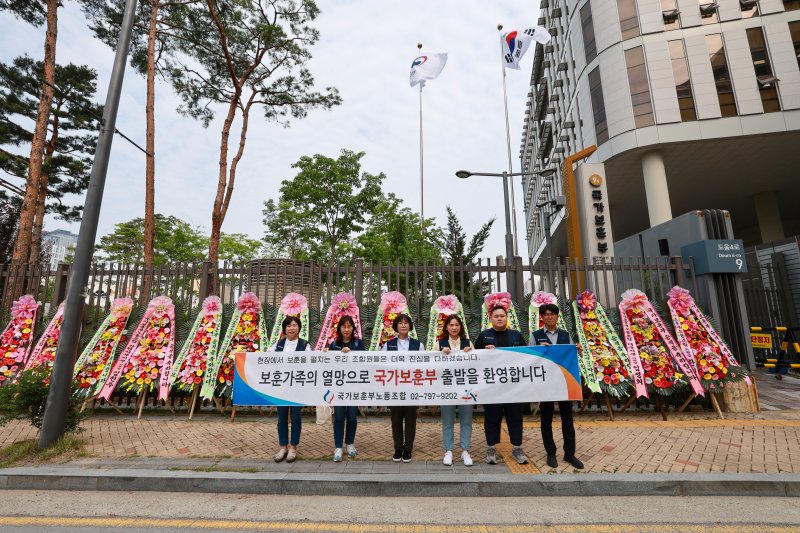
<point x="89" y="512"/>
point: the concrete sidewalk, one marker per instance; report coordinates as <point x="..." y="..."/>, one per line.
<point x="636" y="454"/>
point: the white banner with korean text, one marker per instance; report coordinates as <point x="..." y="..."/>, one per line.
<point x="501" y="375"/>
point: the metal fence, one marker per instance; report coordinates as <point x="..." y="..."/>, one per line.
<point x="188" y="283"/>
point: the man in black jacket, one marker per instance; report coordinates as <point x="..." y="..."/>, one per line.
<point x="550" y="334"/>
<point x="498" y="336"/>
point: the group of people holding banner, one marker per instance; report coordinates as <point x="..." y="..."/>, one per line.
<point x="404" y="417"/>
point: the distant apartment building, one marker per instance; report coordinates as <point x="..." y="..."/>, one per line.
<point x="59" y="242"/>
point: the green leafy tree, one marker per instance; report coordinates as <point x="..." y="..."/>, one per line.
<point x="36" y="12"/>
<point x="9" y="218"/>
<point x="245" y="55"/>
<point x="336" y="194"/>
<point x="72" y="135"/>
<point x="175" y="241"/>
<point x="238" y="247"/>
<point x="395" y="233"/>
<point x="290" y="231"/>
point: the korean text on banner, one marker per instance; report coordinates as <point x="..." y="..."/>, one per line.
<point x="501" y="375"/>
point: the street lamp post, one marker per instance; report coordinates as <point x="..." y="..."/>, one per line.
<point x="464" y="174"/>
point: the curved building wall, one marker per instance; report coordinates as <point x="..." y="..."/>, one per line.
<point x="660" y="86"/>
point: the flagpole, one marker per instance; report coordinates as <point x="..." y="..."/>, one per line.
<point x="421" y="181"/>
<point x="509" y="180"/>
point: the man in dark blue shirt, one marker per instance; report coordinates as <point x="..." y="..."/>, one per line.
<point x="550" y="334"/>
<point x="499" y="336"/>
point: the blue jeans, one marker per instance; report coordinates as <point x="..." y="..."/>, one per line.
<point x="283" y="425"/>
<point x="340" y="415"/>
<point x="464" y="425"/>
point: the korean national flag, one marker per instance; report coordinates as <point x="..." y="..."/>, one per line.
<point x="427" y="67"/>
<point x="516" y="43"/>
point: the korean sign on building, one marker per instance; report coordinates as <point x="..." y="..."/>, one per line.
<point x="716" y="256"/>
<point x="502" y="375"/>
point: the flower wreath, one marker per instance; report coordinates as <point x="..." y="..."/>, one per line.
<point x="192" y="361"/>
<point x="44" y="353"/>
<point x="443" y="307"/>
<point x="16" y="340"/>
<point x="247" y="332"/>
<point x="95" y="362"/>
<point x="293" y="304"/>
<point x="653" y="353"/>
<point x="603" y="360"/>
<point x="392" y="304"/>
<point x="538" y="299"/>
<point x="503" y="299"/>
<point x="342" y="304"/>
<point x="715" y="365"/>
<point x="147" y="358"/>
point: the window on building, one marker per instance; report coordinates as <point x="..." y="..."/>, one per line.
<point x="794" y="29"/>
<point x="628" y="18"/>
<point x="722" y="77"/>
<point x="683" y="83"/>
<point x="749" y="8"/>
<point x="589" y="45"/>
<point x="708" y="12"/>
<point x="791" y="5"/>
<point x="640" y="88"/>
<point x="671" y="15"/>
<point x="767" y="82"/>
<point x="598" y="106"/>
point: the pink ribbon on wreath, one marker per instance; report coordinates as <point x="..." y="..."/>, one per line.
<point x="680" y="299"/>
<point x="684" y="360"/>
<point x="293" y="304"/>
<point x="495" y="299"/>
<point x="48" y="332"/>
<point x="393" y="302"/>
<point x="249" y="303"/>
<point x="447" y="305"/>
<point x="637" y="371"/>
<point x="541" y="298"/>
<point x="587" y="301"/>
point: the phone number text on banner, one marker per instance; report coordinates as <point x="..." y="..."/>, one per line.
<point x="501" y="375"/>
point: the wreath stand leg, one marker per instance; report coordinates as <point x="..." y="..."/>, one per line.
<point x="193" y="402"/>
<point x="715" y="403"/>
<point x="536" y="408"/>
<point x="86" y="401"/>
<point x="660" y="407"/>
<point x="170" y="406"/>
<point x="233" y="414"/>
<point x="608" y="406"/>
<point x="687" y="402"/>
<point x="261" y="411"/>
<point x="219" y="405"/>
<point x="628" y="403"/>
<point x="114" y="407"/>
<point x="143" y="396"/>
<point x="586" y="403"/>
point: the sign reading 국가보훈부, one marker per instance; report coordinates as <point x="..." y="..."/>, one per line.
<point x="502" y="375"/>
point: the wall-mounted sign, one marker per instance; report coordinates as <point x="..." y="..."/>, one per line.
<point x="761" y="340"/>
<point x="595" y="217"/>
<point x="716" y="256"/>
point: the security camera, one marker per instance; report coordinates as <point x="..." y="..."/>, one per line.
<point x="559" y="202"/>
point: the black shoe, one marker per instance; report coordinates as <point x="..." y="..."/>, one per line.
<point x="574" y="461"/>
<point x="551" y="461"/>
<point x="398" y="455"/>
<point x="406" y="457"/>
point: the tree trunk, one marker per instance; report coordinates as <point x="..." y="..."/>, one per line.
<point x="217" y="215"/>
<point x="28" y="210"/>
<point x="41" y="197"/>
<point x="150" y="163"/>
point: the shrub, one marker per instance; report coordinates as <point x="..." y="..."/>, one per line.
<point x="27" y="398"/>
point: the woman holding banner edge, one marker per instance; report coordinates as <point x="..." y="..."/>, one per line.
<point x="455" y="340"/>
<point x="291" y="342"/>
<point x="345" y="342"/>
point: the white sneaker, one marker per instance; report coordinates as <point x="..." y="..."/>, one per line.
<point x="467" y="458"/>
<point x="448" y="458"/>
<point x="351" y="450"/>
<point x="337" y="455"/>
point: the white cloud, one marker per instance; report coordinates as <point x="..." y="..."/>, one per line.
<point x="366" y="48"/>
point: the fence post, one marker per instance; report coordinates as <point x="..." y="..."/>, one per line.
<point x="680" y="275"/>
<point x="60" y="286"/>
<point x="359" y="281"/>
<point x="205" y="280"/>
<point x="519" y="281"/>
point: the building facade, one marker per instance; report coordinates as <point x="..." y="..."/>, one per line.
<point x="59" y="242"/>
<point x="692" y="104"/>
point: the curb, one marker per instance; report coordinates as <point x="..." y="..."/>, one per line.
<point x="440" y="485"/>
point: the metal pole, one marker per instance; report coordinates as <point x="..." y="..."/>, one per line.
<point x="55" y="413"/>
<point x="509" y="237"/>
<point x="421" y="181"/>
<point x="509" y="181"/>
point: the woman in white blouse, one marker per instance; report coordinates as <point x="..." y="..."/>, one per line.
<point x="290" y="342"/>
<point x="455" y="340"/>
